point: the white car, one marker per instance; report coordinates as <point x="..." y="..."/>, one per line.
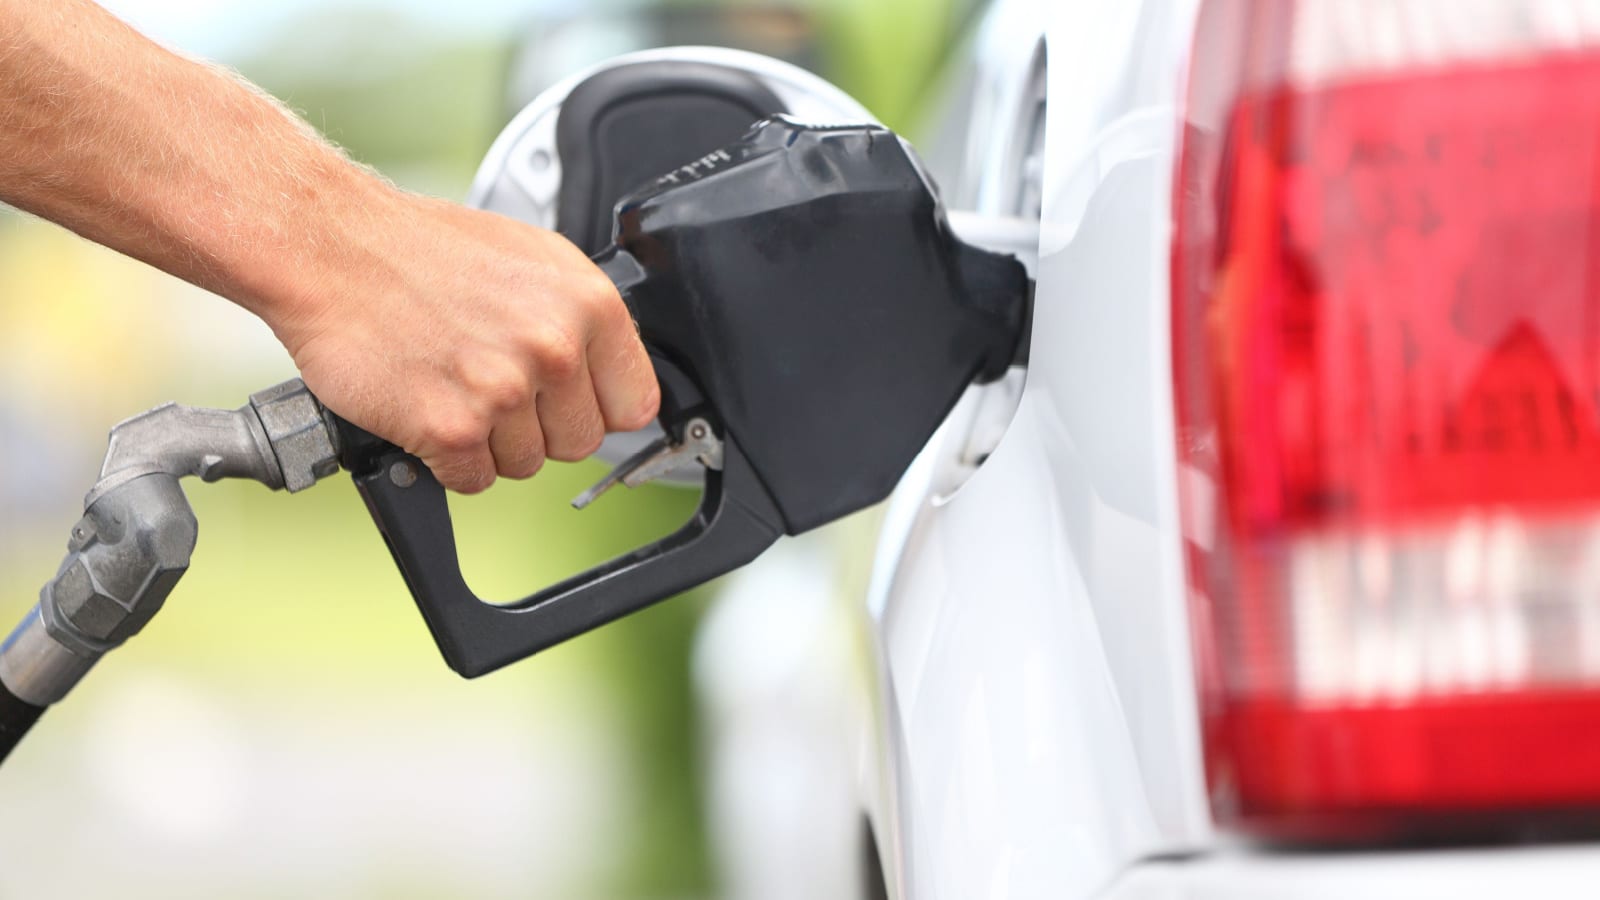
<point x="1275" y="573"/>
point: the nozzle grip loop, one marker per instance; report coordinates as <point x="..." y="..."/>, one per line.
<point x="734" y="523"/>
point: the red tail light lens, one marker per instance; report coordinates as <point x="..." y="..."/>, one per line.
<point x="1386" y="320"/>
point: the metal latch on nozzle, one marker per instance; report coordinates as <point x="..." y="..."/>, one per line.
<point x="661" y="457"/>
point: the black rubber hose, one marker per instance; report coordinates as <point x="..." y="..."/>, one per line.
<point x="16" y="717"/>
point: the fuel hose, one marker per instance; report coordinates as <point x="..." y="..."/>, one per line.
<point x="16" y="717"/>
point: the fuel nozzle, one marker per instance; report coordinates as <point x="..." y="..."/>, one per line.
<point x="812" y="318"/>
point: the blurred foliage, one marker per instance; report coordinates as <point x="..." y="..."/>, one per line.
<point x="301" y="591"/>
<point x="885" y="53"/>
<point x="420" y="109"/>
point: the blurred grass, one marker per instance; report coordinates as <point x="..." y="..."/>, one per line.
<point x="286" y="591"/>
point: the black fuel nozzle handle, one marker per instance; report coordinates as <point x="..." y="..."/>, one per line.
<point x="734" y="523"/>
<point x="801" y="293"/>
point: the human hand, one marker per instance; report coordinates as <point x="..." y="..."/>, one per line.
<point x="480" y="344"/>
<point x="477" y="343"/>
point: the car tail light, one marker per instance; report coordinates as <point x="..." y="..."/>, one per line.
<point x="1386" y="338"/>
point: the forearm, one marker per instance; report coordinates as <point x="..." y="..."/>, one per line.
<point x="478" y="343"/>
<point x="171" y="161"/>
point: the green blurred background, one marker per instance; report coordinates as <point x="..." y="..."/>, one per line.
<point x="286" y="726"/>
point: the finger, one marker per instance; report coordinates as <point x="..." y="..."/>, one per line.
<point x="569" y="415"/>
<point x="517" y="443"/>
<point x="453" y="443"/>
<point x="463" y="471"/>
<point x="624" y="381"/>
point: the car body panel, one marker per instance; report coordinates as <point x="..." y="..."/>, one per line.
<point x="1018" y="706"/>
<point x="1031" y="621"/>
<point x="1478" y="873"/>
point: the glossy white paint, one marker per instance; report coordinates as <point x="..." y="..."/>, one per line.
<point x="1027" y="726"/>
<point x="1032" y="629"/>
<point x="1481" y="873"/>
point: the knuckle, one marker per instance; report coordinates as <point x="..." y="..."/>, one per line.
<point x="597" y="289"/>
<point x="610" y="312"/>
<point x="509" y="393"/>
<point x="501" y="385"/>
<point x="453" y="432"/>
<point x="558" y="354"/>
<point x="603" y="318"/>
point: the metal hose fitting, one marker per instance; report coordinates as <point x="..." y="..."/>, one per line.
<point x="134" y="541"/>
